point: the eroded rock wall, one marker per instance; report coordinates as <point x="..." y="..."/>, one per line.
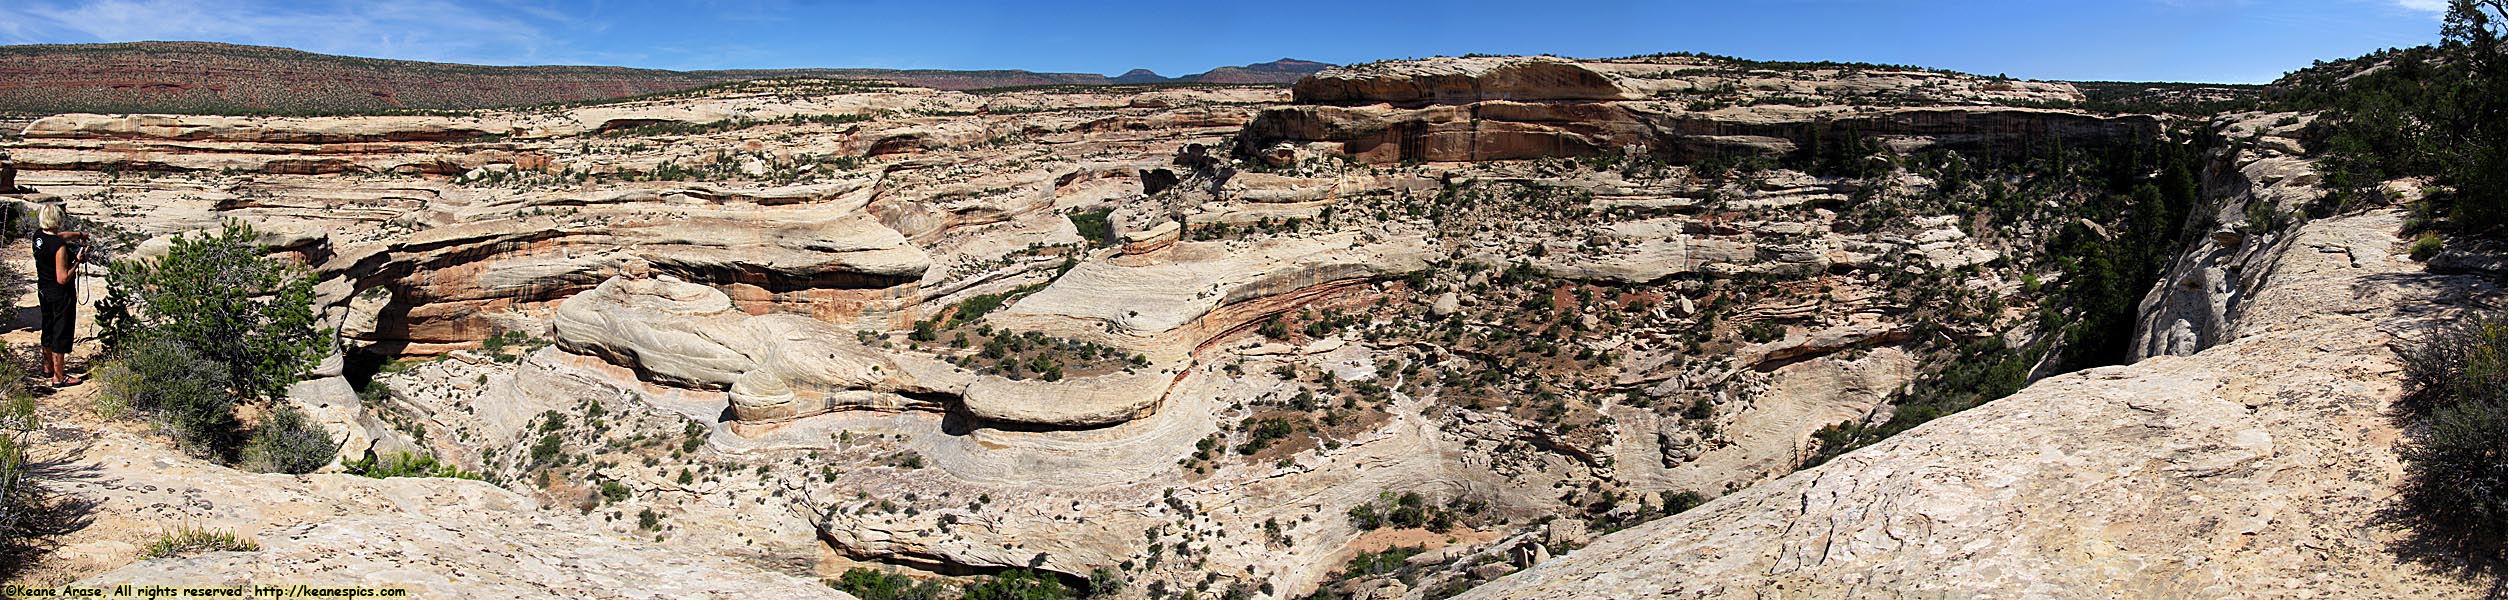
<point x="1512" y="108"/>
<point x="1049" y="329"/>
<point x="2255" y="190"/>
<point x="2248" y="453"/>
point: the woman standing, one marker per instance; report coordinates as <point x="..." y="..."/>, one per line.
<point x="57" y="254"/>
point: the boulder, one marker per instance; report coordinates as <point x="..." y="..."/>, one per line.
<point x="1446" y="304"/>
<point x="1071" y="403"/>
<point x="1158" y="237"/>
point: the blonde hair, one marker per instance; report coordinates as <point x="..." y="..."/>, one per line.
<point x="48" y="217"/>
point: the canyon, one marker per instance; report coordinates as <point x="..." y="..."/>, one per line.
<point x="1534" y="327"/>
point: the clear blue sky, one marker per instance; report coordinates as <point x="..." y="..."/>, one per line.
<point x="2246" y="41"/>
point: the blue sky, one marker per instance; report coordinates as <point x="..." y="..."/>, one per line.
<point x="2245" y="41"/>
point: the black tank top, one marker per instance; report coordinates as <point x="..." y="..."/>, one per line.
<point x="47" y="281"/>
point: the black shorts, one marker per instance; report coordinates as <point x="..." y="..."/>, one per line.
<point x="60" y="318"/>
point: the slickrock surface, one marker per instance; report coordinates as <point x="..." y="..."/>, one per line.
<point x="1179" y="300"/>
<point x="775" y="366"/>
<point x="437" y="538"/>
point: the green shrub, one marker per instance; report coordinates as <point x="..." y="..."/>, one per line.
<point x="547" y="449"/>
<point x="221" y="297"/>
<point x="1680" y="502"/>
<point x="289" y="442"/>
<point x="1837" y="439"/>
<point x="2460" y="363"/>
<point x="1275" y="328"/>
<point x="113" y="401"/>
<point x="868" y="584"/>
<point x="694" y="437"/>
<point x="27" y="512"/>
<point x="187" y="539"/>
<point x="1410" y="510"/>
<point x="1389" y="561"/>
<point x="1763" y="332"/>
<point x="1018" y="584"/>
<point x="1364" y="517"/>
<point x="2425" y="247"/>
<point x="975" y="307"/>
<point x="1260" y="433"/>
<point x="2456" y="486"/>
<point x="212" y="323"/>
<point x="186" y="394"/>
<point x="2455" y="489"/>
<point x="1104" y="581"/>
<point x="403" y="464"/>
<point x="1700" y="410"/>
<point x="1095" y="226"/>
<point x="1915" y="409"/>
<point x="613" y="491"/>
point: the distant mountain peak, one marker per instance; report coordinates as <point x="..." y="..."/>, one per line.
<point x="1140" y="76"/>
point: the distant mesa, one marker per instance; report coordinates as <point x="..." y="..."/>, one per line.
<point x="215" y="78"/>
<point x="1283" y="71"/>
<point x="1286" y="70"/>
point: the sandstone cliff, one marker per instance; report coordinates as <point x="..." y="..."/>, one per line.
<point x="1510" y="108"/>
<point x="1497" y="303"/>
<point x="2251" y="466"/>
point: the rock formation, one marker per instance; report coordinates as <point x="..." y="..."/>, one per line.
<point x="1496" y="308"/>
<point x="774" y="366"/>
<point x="2207" y="288"/>
<point x="1505" y="108"/>
<point x="2217" y="472"/>
<point x="1459" y="81"/>
<point x="779" y="367"/>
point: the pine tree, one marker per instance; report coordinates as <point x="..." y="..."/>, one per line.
<point x="2478" y="112"/>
